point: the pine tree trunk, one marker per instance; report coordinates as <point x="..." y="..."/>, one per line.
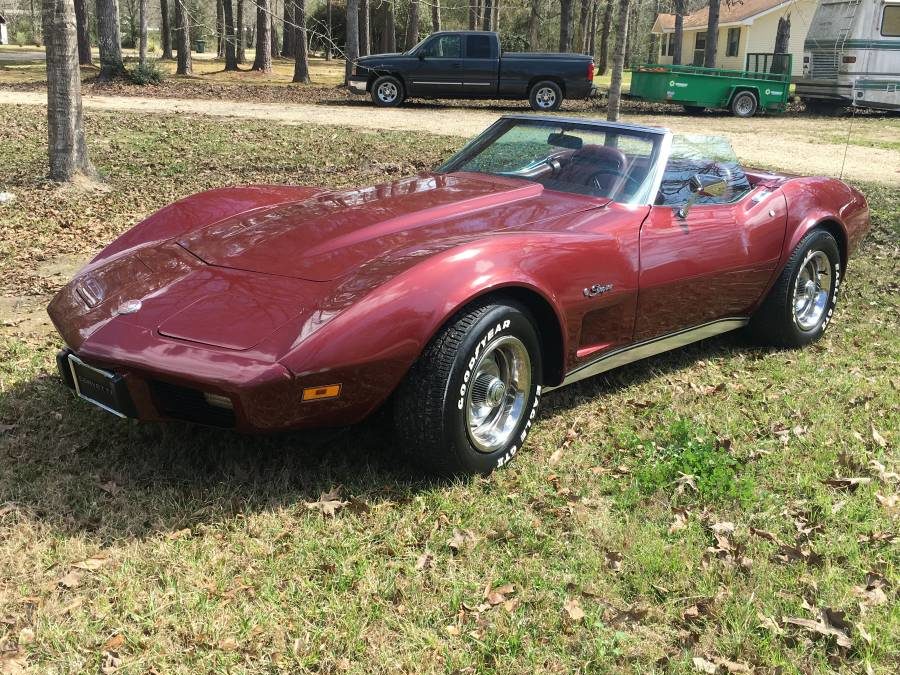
<point x="565" y="25"/>
<point x="391" y="32"/>
<point x="712" y="34"/>
<point x="352" y="43"/>
<point x="365" y="30"/>
<point x="629" y="39"/>
<point x="412" y="25"/>
<point x="603" y="61"/>
<point x="263" y="60"/>
<point x="678" y="35"/>
<point x="287" y="31"/>
<point x="593" y="37"/>
<point x="183" y="40"/>
<point x="110" y="40"/>
<point x="436" y="15"/>
<point x="782" y="44"/>
<point x="165" y="30"/>
<point x="144" y="11"/>
<point x="583" y="17"/>
<point x="495" y="16"/>
<point x="273" y="37"/>
<point x="328" y="36"/>
<point x="301" y="58"/>
<point x="475" y="12"/>
<point x="241" y="34"/>
<point x="84" y="33"/>
<point x="486" y="16"/>
<point x="534" y="25"/>
<point x="220" y="29"/>
<point x="66" y="148"/>
<point x="618" y="66"/>
<point x="230" y="47"/>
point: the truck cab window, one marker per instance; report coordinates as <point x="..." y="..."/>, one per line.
<point x="479" y="47"/>
<point x="443" y="46"/>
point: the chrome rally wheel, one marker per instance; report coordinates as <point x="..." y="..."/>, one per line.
<point x="799" y="307"/>
<point x="495" y="403"/>
<point x="812" y="289"/>
<point x="469" y="402"/>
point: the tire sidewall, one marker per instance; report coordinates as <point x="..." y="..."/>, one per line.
<point x="400" y="91"/>
<point x="737" y="97"/>
<point x="532" y="96"/>
<point x="500" y="321"/>
<point x="818" y="240"/>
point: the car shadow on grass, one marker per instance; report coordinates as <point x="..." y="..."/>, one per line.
<point x="78" y="469"/>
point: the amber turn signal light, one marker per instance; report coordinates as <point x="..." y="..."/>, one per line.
<point x="321" y="393"/>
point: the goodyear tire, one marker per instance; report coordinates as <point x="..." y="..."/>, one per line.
<point x="545" y="96"/>
<point x="744" y="104"/>
<point x="388" y="92"/>
<point x="800" y="305"/>
<point x="469" y="402"/>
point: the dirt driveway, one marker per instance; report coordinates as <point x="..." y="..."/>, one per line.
<point x="801" y="144"/>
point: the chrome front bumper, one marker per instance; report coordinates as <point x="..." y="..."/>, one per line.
<point x="357" y="85"/>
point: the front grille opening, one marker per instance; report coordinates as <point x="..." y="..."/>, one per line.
<point x="190" y="405"/>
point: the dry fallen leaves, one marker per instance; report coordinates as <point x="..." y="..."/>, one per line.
<point x="329" y="503"/>
<point x="847" y="483"/>
<point x="872" y="593"/>
<point x="93" y="563"/>
<point x="573" y="610"/>
<point x="831" y="623"/>
<point x="461" y="540"/>
<point x="680" y="520"/>
<point x="424" y="561"/>
<point x="72" y="579"/>
<point x="12" y="663"/>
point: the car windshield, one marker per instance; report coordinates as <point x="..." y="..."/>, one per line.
<point x="695" y="154"/>
<point x="590" y="159"/>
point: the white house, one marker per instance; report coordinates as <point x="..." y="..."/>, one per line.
<point x="747" y="27"/>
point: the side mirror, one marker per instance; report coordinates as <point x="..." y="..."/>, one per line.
<point x="702" y="185"/>
<point x="708" y="186"/>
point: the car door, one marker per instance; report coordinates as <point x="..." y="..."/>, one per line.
<point x="480" y="65"/>
<point x="714" y="262"/>
<point x="438" y="70"/>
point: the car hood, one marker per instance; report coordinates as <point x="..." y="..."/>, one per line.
<point x="333" y="234"/>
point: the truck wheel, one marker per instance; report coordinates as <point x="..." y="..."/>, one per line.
<point x="387" y="92"/>
<point x="467" y="405"/>
<point x="545" y="95"/>
<point x="800" y="305"/>
<point x="744" y="104"/>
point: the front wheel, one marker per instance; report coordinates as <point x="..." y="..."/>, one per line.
<point x="470" y="400"/>
<point x="545" y="96"/>
<point x="800" y="305"/>
<point x="744" y="104"/>
<point x="387" y="92"/>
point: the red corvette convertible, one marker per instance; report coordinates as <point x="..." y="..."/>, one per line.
<point x="547" y="250"/>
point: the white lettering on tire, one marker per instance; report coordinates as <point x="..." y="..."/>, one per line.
<point x="491" y="334"/>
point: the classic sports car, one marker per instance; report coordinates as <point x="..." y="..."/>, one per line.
<point x="547" y="250"/>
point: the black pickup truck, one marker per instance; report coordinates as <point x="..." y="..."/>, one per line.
<point x="470" y="64"/>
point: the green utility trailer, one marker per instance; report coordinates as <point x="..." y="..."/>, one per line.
<point x="762" y="85"/>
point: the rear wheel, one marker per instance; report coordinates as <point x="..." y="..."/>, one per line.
<point x="387" y="92"/>
<point x="468" y="403"/>
<point x="545" y="96"/>
<point x="744" y="104"/>
<point x="800" y="305"/>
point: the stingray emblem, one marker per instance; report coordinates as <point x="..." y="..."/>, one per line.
<point x="597" y="289"/>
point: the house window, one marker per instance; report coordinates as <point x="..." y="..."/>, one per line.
<point x="699" y="48"/>
<point x="670" y="44"/>
<point x="890" y="21"/>
<point x="734" y="40"/>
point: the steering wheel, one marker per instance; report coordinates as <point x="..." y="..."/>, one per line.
<point x="596" y="184"/>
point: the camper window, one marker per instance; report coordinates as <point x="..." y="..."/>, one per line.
<point x="890" y="21"/>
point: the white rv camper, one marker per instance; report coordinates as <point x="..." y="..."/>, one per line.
<point x="852" y="55"/>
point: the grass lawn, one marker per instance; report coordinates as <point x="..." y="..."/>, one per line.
<point x="174" y="549"/>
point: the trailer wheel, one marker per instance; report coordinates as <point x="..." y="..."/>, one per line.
<point x="744" y="104"/>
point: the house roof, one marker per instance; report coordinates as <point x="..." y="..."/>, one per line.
<point x="739" y="12"/>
